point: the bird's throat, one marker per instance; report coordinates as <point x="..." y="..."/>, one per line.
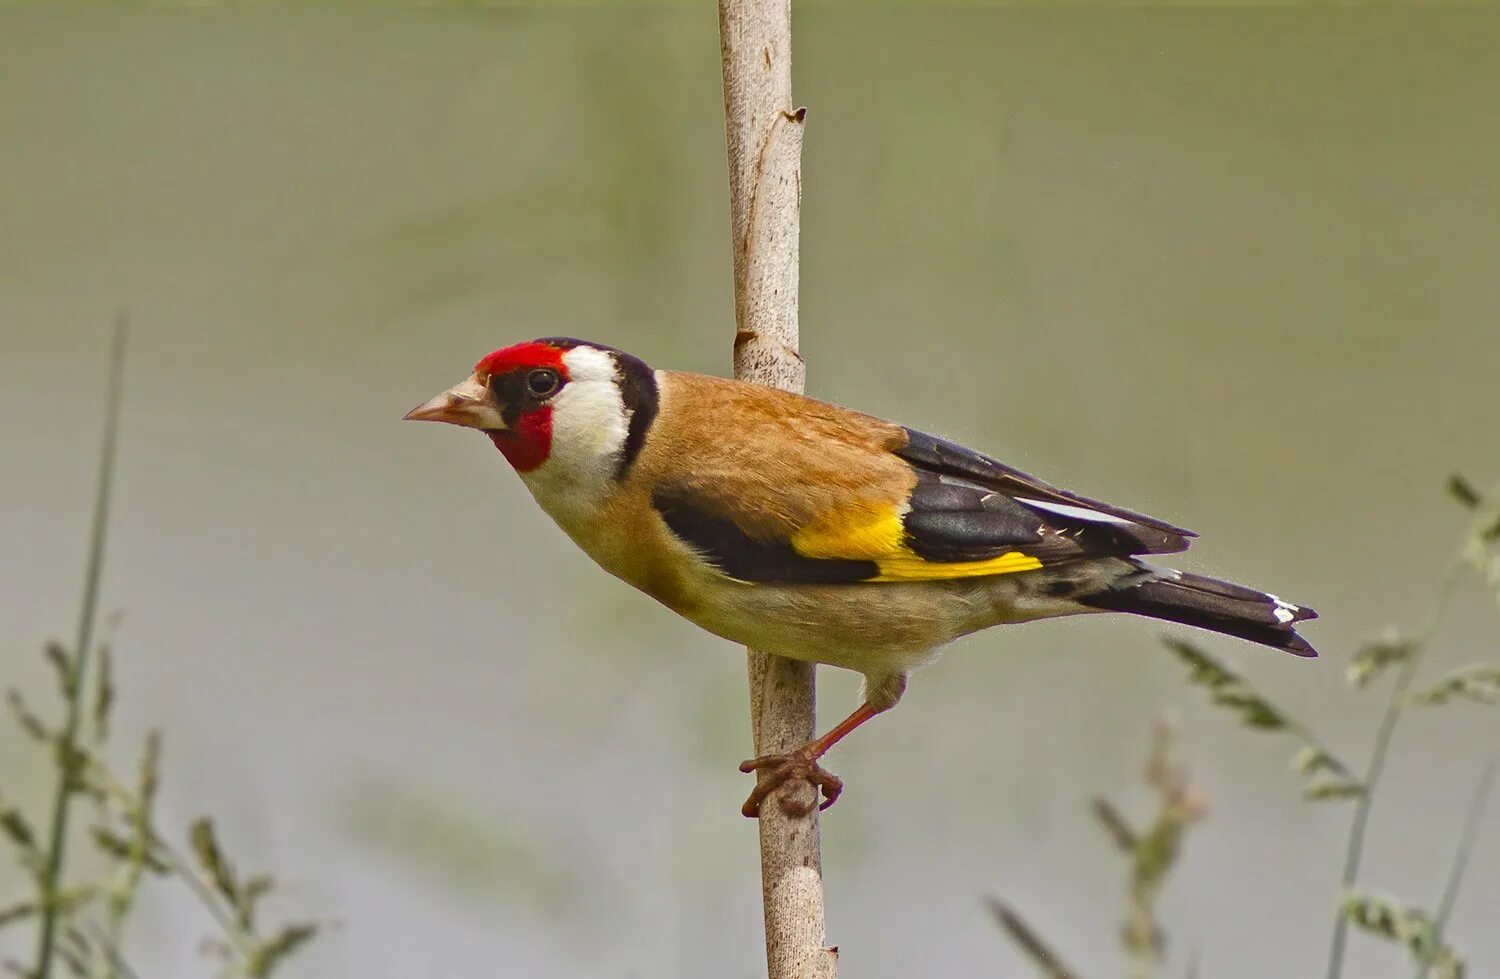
<point x="528" y="443"/>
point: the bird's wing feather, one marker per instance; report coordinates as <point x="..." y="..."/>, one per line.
<point x="846" y="498"/>
<point x="947" y="458"/>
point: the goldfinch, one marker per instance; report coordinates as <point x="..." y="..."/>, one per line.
<point x="816" y="532"/>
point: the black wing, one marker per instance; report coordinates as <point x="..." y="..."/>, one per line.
<point x="967" y="506"/>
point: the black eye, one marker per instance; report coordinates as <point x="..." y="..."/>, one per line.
<point x="542" y="381"/>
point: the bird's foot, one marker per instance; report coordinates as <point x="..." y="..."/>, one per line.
<point x="775" y="771"/>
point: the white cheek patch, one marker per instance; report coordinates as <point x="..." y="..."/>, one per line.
<point x="1075" y="512"/>
<point x="589" y="364"/>
<point x="588" y="423"/>
<point x="589" y="428"/>
<point x="1285" y="611"/>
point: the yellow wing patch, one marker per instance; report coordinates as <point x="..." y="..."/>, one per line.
<point x="862" y="531"/>
<point x="872" y="531"/>
<point x="907" y="565"/>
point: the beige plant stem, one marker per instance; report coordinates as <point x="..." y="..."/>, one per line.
<point x="764" y="135"/>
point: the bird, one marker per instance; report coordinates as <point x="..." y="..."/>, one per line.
<point x="816" y="532"/>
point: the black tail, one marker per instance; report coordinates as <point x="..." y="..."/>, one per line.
<point x="1208" y="603"/>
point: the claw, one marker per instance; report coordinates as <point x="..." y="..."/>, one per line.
<point x="774" y="771"/>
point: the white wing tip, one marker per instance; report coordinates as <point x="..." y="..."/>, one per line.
<point x="1076" y="512"/>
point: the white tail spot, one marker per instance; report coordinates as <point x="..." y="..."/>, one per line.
<point x="1285" y="611"/>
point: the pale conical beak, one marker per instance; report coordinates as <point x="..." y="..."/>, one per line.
<point x="467" y="404"/>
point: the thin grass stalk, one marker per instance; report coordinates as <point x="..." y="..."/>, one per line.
<point x="1354" y="851"/>
<point x="180" y="867"/>
<point x="1466" y="841"/>
<point x="67" y="746"/>
<point x="1042" y="955"/>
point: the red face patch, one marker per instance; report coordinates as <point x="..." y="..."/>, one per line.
<point x="527" y="442"/>
<point x="533" y="353"/>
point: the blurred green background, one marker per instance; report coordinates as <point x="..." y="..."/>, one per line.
<point x="1233" y="268"/>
